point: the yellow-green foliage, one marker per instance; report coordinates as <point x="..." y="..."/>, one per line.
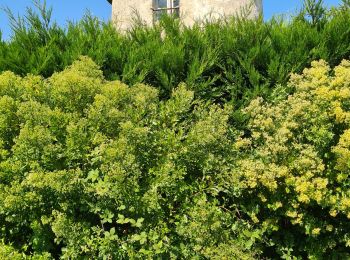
<point x="100" y="170"/>
<point x="9" y="253"/>
<point x="296" y="161"/>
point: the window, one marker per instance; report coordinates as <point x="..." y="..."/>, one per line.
<point x="162" y="7"/>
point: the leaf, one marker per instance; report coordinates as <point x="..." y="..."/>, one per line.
<point x="93" y="175"/>
<point x="122" y="207"/>
<point x="139" y="222"/>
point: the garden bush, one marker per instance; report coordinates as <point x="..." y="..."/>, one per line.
<point x="91" y="168"/>
<point x="95" y="169"/>
<point x="210" y="142"/>
<point x="293" y="165"/>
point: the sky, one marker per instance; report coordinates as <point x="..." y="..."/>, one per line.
<point x="73" y="10"/>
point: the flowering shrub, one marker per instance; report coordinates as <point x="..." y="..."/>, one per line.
<point x="97" y="169"/>
<point x="295" y="163"/>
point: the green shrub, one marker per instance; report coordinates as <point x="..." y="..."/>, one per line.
<point x="116" y="172"/>
<point x="293" y="167"/>
<point x="95" y="169"/>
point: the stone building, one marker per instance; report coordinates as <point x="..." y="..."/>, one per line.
<point x="124" y="11"/>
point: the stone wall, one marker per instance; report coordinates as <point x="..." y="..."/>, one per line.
<point x="123" y="12"/>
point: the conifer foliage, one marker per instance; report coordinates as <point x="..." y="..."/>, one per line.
<point x="230" y="60"/>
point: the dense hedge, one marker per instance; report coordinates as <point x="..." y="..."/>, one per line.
<point x="91" y="168"/>
<point x="233" y="59"/>
<point x="94" y="169"/>
<point x="294" y="165"/>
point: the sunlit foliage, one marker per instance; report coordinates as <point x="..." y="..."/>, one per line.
<point x="91" y="168"/>
<point x="295" y="162"/>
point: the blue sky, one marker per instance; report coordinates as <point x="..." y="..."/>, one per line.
<point x="64" y="10"/>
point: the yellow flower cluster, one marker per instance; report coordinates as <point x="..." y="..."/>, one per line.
<point x="342" y="150"/>
<point x="291" y="149"/>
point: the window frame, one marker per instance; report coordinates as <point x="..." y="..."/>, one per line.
<point x="170" y="9"/>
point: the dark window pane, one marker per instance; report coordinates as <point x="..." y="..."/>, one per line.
<point x="176" y="13"/>
<point x="176" y="5"/>
<point x="161" y="4"/>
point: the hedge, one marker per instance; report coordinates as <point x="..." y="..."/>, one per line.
<point x="232" y="60"/>
<point x="91" y="168"/>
